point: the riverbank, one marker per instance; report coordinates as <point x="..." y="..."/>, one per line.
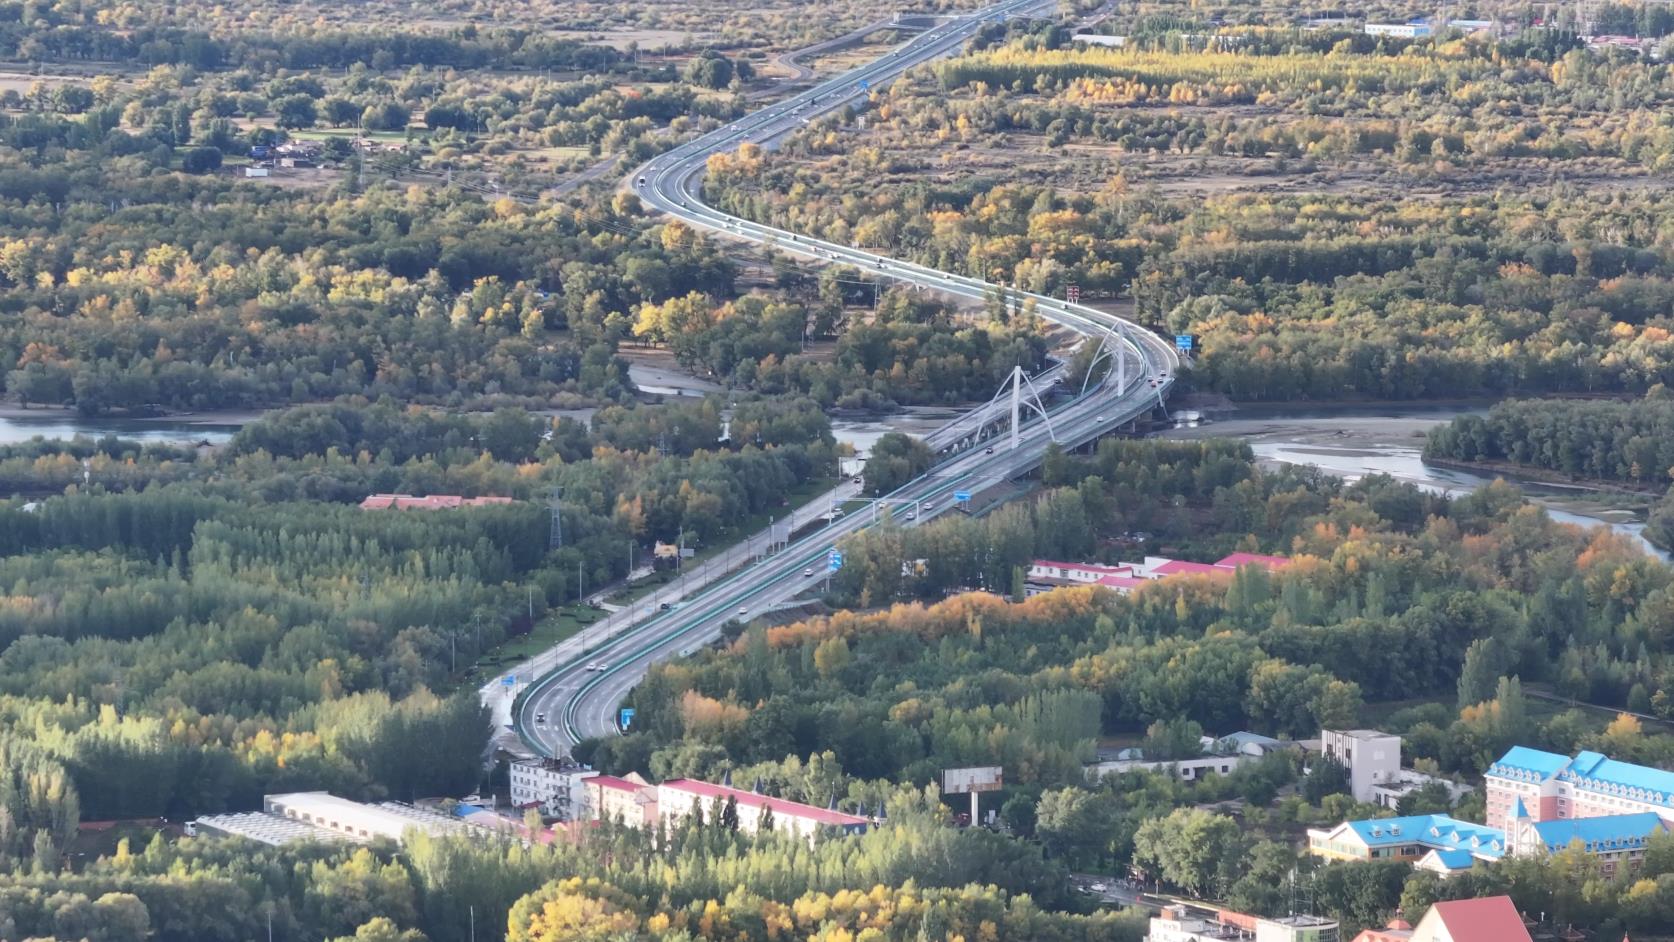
<point x="1549" y="478"/>
<point x="1338" y="432"/>
<point x="1353" y="446"/>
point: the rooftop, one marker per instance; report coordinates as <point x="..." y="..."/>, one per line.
<point x="1253" y="559"/>
<point x="1491" y="917"/>
<point x="614" y="783"/>
<point x="267" y="829"/>
<point x="1592" y="765"/>
<point x="388" y="819"/>
<point x="1536" y="763"/>
<point x="1364" y="735"/>
<point x="1588" y="770"/>
<point x="1438" y="831"/>
<point x="1604" y="833"/>
<point x="1081" y="567"/>
<point x="781" y="807"/>
<point x="1179" y="567"/>
<point x="1454" y="859"/>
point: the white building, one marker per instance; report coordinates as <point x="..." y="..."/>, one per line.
<point x="1073" y="573"/>
<point x="1371" y="757"/>
<point x="1178" y="924"/>
<point x="1187" y="770"/>
<point x="1398" y="30"/>
<point x="322" y="816"/>
<point x="552" y="785"/>
<point x="260" y="827"/>
<point x="1406" y="781"/>
<point x="1220" y="756"/>
<point x="358" y="821"/>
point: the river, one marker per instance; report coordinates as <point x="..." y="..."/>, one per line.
<point x="16" y="428"/>
<point x="1355" y="443"/>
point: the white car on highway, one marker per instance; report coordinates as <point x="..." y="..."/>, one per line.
<point x="598" y="666"/>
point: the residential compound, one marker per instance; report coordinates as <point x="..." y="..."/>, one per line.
<point x="1046" y="574"/>
<point x="1553" y="787"/>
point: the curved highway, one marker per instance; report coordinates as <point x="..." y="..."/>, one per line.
<point x="579" y="685"/>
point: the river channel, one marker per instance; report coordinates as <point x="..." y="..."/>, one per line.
<point x="1349" y="443"/>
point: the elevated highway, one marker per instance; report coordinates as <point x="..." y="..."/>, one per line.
<point x="578" y="685"/>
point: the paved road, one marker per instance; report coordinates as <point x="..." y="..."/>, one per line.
<point x="577" y="692"/>
<point x="802" y="73"/>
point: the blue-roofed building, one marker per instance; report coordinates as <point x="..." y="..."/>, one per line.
<point x="1447" y="862"/>
<point x="1554" y="787"/>
<point x="1617" y="840"/>
<point x="1410" y="838"/>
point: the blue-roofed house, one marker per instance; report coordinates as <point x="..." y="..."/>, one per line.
<point x="1411" y="838"/>
<point x="1555" y="787"/>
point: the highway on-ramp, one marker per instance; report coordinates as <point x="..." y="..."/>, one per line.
<point x="575" y="688"/>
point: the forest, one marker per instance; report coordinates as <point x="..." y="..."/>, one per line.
<point x="1630" y="442"/>
<point x="195" y="629"/>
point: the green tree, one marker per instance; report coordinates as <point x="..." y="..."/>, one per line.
<point x="1191" y="849"/>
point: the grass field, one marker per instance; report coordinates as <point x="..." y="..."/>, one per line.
<point x="322" y="134"/>
<point x="558" y="625"/>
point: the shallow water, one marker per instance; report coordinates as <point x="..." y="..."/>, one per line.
<point x="1406" y="464"/>
<point x="14" y="429"/>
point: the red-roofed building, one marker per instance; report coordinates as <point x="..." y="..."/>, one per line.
<point x="1489" y="919"/>
<point x="1398" y="930"/>
<point x="631" y="801"/>
<point x="1046" y="574"/>
<point x="1269" y="563"/>
<point x="1179" y="567"/>
<point x="677" y="797"/>
<point x="1122" y="584"/>
<point x="433" y="502"/>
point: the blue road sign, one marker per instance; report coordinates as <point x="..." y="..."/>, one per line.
<point x="863" y="85"/>
<point x="626" y="718"/>
<point x="509" y="680"/>
<point x="963" y="497"/>
<point x="1183" y="342"/>
<point x="833" y="561"/>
